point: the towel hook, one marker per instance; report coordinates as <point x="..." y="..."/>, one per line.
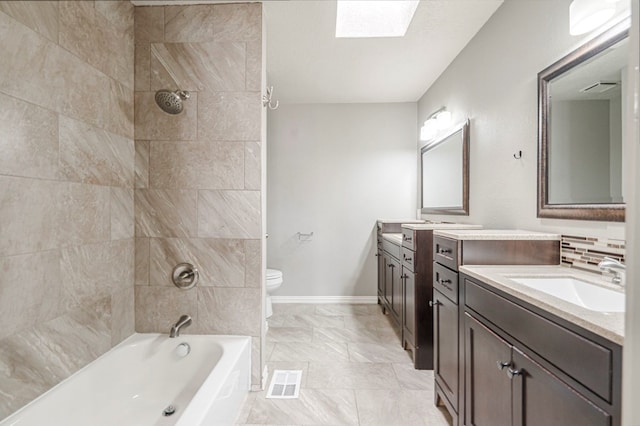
<point x="267" y="101"/>
<point x="517" y="155"/>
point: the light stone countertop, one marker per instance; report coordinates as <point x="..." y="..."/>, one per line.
<point x="440" y="225"/>
<point x="496" y="234"/>
<point x="609" y="325"/>
<point x="401" y="221"/>
<point x="395" y="238"/>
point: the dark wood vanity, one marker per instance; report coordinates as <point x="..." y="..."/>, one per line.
<point x="451" y="249"/>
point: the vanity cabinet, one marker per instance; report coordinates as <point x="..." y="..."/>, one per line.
<point x="451" y="249"/>
<point x="526" y="367"/>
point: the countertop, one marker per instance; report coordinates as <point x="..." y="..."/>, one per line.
<point x="605" y="324"/>
<point x="439" y="225"/>
<point x="401" y="221"/>
<point x="496" y="234"/>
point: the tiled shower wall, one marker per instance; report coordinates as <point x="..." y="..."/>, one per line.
<point x="198" y="174"/>
<point x="66" y="189"/>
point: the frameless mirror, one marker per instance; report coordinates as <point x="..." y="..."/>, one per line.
<point x="445" y="173"/>
<point x="581" y="105"/>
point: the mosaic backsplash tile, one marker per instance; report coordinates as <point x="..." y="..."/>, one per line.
<point x="586" y="252"/>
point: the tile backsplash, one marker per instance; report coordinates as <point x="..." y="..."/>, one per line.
<point x="586" y="252"/>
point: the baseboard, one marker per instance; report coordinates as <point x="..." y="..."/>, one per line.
<point x="347" y="300"/>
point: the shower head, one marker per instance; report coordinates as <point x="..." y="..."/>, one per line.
<point x="171" y="102"/>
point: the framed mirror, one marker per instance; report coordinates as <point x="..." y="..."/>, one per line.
<point x="581" y="105"/>
<point x="444" y="171"/>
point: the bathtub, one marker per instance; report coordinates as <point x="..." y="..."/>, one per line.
<point x="136" y="381"/>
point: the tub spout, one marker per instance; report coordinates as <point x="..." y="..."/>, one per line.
<point x="184" y="321"/>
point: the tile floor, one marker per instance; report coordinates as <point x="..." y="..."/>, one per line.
<point x="355" y="371"/>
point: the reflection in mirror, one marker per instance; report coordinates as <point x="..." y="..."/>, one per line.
<point x="581" y="105"/>
<point x="445" y="173"/>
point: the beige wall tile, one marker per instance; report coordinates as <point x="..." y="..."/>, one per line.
<point x="84" y="214"/>
<point x="256" y="360"/>
<point x="122" y="314"/>
<point x="28" y="139"/>
<point x="122" y="214"/>
<point x="118" y="115"/>
<point x="158" y="308"/>
<point x="93" y="37"/>
<point x="238" y="22"/>
<point x="253" y="264"/>
<point x="30" y="291"/>
<point x="37" y="359"/>
<point x="40" y="16"/>
<point x="198" y="66"/>
<point x="254" y="66"/>
<point x="197" y="165"/>
<point x="228" y="311"/>
<point x="165" y="213"/>
<point x="219" y="262"/>
<point x="95" y="271"/>
<point x="229" y="116"/>
<point x="28" y="226"/>
<point x="142" y="164"/>
<point x="189" y="23"/>
<point x="142" y="67"/>
<point x="142" y="251"/>
<point x="149" y="24"/>
<point x="252" y="166"/>
<point x="119" y="13"/>
<point x="215" y="219"/>
<point x="152" y="123"/>
<point x="92" y="155"/>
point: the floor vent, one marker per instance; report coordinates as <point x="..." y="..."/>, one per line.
<point x="285" y="384"/>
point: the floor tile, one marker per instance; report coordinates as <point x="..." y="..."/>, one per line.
<point x="290" y="334"/>
<point x="315" y="352"/>
<point x="377" y="352"/>
<point x="345" y="309"/>
<point x="345" y="335"/>
<point x="398" y="407"/>
<point x="351" y="375"/>
<point x="312" y="320"/>
<point x="410" y="378"/>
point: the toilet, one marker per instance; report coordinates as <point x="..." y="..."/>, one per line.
<point x="274" y="281"/>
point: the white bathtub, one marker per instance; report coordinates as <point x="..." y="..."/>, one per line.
<point x="134" y="382"/>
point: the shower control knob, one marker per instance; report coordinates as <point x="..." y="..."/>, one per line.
<point x="185" y="276"/>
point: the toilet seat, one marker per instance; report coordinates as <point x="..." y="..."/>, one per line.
<point x="273" y="282"/>
<point x="274" y="274"/>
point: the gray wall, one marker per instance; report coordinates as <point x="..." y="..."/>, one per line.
<point x="333" y="169"/>
<point x="493" y="81"/>
<point x="66" y="190"/>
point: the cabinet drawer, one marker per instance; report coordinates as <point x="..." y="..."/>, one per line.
<point x="446" y="282"/>
<point x="409" y="239"/>
<point x="408" y="259"/>
<point x="588" y="363"/>
<point x="445" y="251"/>
<point x="391" y="248"/>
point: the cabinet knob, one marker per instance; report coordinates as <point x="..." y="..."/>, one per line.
<point x="444" y="282"/>
<point x="444" y="251"/>
<point x="501" y="364"/>
<point x="434" y="303"/>
<point x="511" y="373"/>
<point x="391" y="266"/>
<point x="377" y="254"/>
<point x="405" y="276"/>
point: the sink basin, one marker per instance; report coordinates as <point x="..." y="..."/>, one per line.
<point x="578" y="292"/>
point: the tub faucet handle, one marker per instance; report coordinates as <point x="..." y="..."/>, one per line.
<point x="184" y="321"/>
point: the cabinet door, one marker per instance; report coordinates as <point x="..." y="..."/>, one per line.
<point x="380" y="273"/>
<point x="445" y="335"/>
<point x="409" y="304"/>
<point x="396" y="290"/>
<point x="388" y="279"/>
<point x="488" y="388"/>
<point x="542" y="399"/>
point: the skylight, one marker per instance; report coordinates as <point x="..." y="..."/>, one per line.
<point x="374" y="18"/>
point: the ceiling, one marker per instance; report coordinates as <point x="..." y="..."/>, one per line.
<point x="306" y="63"/>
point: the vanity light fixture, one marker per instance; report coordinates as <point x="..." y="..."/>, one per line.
<point x="437" y="121"/>
<point x="587" y="15"/>
<point x="374" y="18"/>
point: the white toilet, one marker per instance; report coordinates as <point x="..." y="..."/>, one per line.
<point x="274" y="281"/>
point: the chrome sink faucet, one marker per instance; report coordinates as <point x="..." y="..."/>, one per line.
<point x="184" y="321"/>
<point x="617" y="268"/>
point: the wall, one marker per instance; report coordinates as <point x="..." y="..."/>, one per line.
<point x="66" y="190"/>
<point x="198" y="174"/>
<point x="493" y="81"/>
<point x="334" y="169"/>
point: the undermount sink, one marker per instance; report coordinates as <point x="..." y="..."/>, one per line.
<point x="580" y="293"/>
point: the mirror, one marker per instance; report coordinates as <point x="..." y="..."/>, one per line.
<point x="444" y="173"/>
<point x="581" y="103"/>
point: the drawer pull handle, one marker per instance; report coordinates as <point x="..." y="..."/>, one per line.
<point x="511" y="373"/>
<point x="444" y="251"/>
<point x="444" y="282"/>
<point x="392" y="266"/>
<point x="436" y="303"/>
<point x="501" y="364"/>
<point x="408" y="259"/>
<point x="405" y="276"/>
